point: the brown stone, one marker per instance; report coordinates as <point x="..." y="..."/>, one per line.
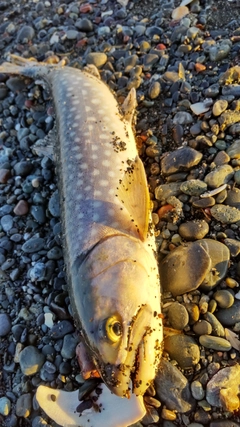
<point x="21" y="208"/>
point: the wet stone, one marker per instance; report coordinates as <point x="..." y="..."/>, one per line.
<point x="173" y="389"/>
<point x="225" y="214"/>
<point x="184" y="269"/>
<point x="215" y="343"/>
<point x="188" y="356"/>
<point x="180" y="160"/>
<point x="5" y="324"/>
<point x="31" y="360"/>
<point x="177" y="316"/>
<point x="193" y="230"/>
<point x="193" y="187"/>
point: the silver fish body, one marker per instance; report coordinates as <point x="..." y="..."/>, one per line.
<point x="109" y="242"/>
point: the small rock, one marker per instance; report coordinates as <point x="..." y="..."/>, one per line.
<point x="223" y="389"/>
<point x="219" y="107"/>
<point x="182" y="118"/>
<point x="5" y="174"/>
<point x="233" y="245"/>
<point x="219" y="176"/>
<point x="177" y="316"/>
<point x="5" y="324"/>
<point x="224" y="298"/>
<point x="24" y="405"/>
<point x="180" y="160"/>
<point x="179" y="12"/>
<point x="96" y="58"/>
<point x="172" y="388"/>
<point x="193" y="187"/>
<point x="225" y="214"/>
<point x="5" y="406"/>
<point x="234" y="150"/>
<point x="193" y="230"/>
<point x="34" y="244"/>
<point x="31" y="360"/>
<point x="202" y="327"/>
<point x="189" y="355"/>
<point x="229" y="316"/>
<point x="197" y="390"/>
<point x="220" y="256"/>
<point x="215" y="343"/>
<point x="70" y="343"/>
<point x="21" y="208"/>
<point x="25" y="34"/>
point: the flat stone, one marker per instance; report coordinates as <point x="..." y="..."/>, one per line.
<point x="225" y="214"/>
<point x="5" y="324"/>
<point x="202" y="327"/>
<point x="223" y="388"/>
<point x="184" y="268"/>
<point x="164" y="191"/>
<point x="189" y="355"/>
<point x="193" y="230"/>
<point x="5" y="406"/>
<point x="172" y="388"/>
<point x="180" y="160"/>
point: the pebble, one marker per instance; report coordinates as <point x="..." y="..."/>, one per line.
<point x="233" y="198"/>
<point x="61" y="329"/>
<point x="197" y="390"/>
<point x="177" y="316"/>
<point x="182" y="117"/>
<point x="24" y="405"/>
<point x="96" y="58"/>
<point x="234" y="150"/>
<point x="229" y="316"/>
<point x="220" y="256"/>
<point x="5" y="406"/>
<point x="233" y="246"/>
<point x="31" y="360"/>
<point x="202" y="327"/>
<point x="219" y="107"/>
<point x="188" y="356"/>
<point x="180" y="160"/>
<point x="5" y="174"/>
<point x="224" y="298"/>
<point x="173" y="389"/>
<point x="34" y="244"/>
<point x="223" y="389"/>
<point x="5" y="324"/>
<point x="219" y="176"/>
<point x="25" y="34"/>
<point x="215" y="343"/>
<point x="193" y="187"/>
<point x="193" y="230"/>
<point x="217" y="328"/>
<point x="7" y="222"/>
<point x="225" y="214"/>
<point x="69" y="346"/>
<point x="184" y="269"/>
<point x="180" y="12"/>
<point x="21" y="208"/>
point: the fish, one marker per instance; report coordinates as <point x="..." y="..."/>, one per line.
<point x="109" y="240"/>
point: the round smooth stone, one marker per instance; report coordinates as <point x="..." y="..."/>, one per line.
<point x="224" y="298"/>
<point x="215" y="343"/>
<point x="189" y="355"/>
<point x="177" y="316"/>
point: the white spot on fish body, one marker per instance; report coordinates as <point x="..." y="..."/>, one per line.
<point x="104" y="183"/>
<point x="87" y="109"/>
<point x="98" y="193"/>
<point x="106" y="163"/>
<point x="95" y="172"/>
<point x="88" y="188"/>
<point x="76" y="102"/>
<point x="107" y="153"/>
<point x="96" y="217"/>
<point x="95" y="101"/>
<point x="78" y="156"/>
<point x="84" y="166"/>
<point x="111" y="174"/>
<point x="79" y="196"/>
<point x="84" y="92"/>
<point x="94" y="147"/>
<point x="75" y="125"/>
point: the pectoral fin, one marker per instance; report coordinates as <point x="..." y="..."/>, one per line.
<point x="134" y="195"/>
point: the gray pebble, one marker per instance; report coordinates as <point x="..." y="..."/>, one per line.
<point x="54" y="204"/>
<point x="34" y="244"/>
<point x="154" y="90"/>
<point x="31" y="360"/>
<point x="55" y="253"/>
<point x="37" y="273"/>
<point x="84" y="25"/>
<point x="177" y="316"/>
<point x="23" y="168"/>
<point x="197" y="390"/>
<point x="69" y="346"/>
<point x="233" y="198"/>
<point x="25" y="34"/>
<point x="61" y="329"/>
<point x="182" y="118"/>
<point x="234" y="150"/>
<point x="219" y="255"/>
<point x="225" y="214"/>
<point x="193" y="187"/>
<point x="233" y="245"/>
<point x="219" y="176"/>
<point x="7" y="222"/>
<point x="38" y="213"/>
<point x="229" y="316"/>
<point x="217" y="328"/>
<point x="5" y="324"/>
<point x="202" y="327"/>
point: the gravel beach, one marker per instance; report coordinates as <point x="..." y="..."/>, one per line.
<point x="183" y="59"/>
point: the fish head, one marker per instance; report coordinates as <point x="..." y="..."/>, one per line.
<point x="119" y="308"/>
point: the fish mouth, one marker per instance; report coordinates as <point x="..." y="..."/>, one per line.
<point x="133" y="374"/>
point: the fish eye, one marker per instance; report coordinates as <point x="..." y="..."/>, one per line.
<point x="113" y="329"/>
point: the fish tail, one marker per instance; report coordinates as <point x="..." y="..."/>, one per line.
<point x="28" y="67"/>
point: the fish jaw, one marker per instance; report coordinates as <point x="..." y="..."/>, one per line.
<point x="119" y="279"/>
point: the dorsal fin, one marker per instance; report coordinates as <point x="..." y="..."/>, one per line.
<point x="133" y="193"/>
<point x="129" y="105"/>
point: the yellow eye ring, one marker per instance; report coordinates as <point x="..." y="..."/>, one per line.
<point x="113" y="328"/>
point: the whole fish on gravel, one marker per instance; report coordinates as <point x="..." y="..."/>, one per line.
<point x="109" y="240"/>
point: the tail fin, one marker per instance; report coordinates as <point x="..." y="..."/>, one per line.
<point x="28" y="67"/>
